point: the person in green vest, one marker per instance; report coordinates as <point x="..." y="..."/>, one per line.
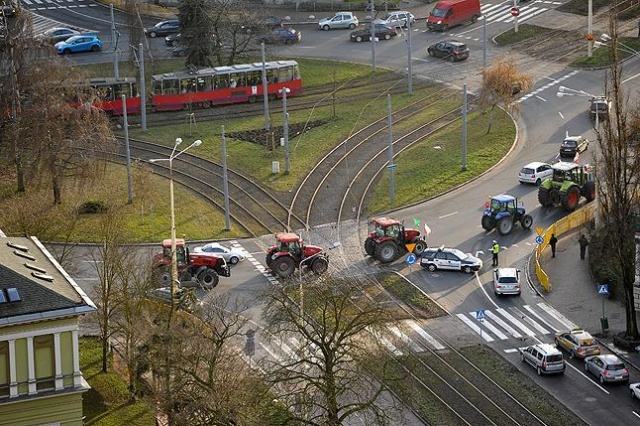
<point x="495" y="249"/>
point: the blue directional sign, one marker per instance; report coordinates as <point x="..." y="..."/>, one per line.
<point x="539" y="239"/>
<point x="480" y="315"/>
<point x="603" y="289"/>
<point x="411" y="259"/>
<point x="392" y="166"/>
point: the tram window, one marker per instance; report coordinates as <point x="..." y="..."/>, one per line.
<point x="133" y="90"/>
<point x="222" y="81"/>
<point x="157" y="87"/>
<point x="117" y="91"/>
<point x="254" y="78"/>
<point x="272" y="76"/>
<point x="285" y="74"/>
<point x="233" y="82"/>
<point x="187" y="85"/>
<point x="170" y="87"/>
<point x="296" y="72"/>
<point x="203" y="84"/>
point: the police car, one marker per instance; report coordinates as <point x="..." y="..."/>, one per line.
<point x="449" y="259"/>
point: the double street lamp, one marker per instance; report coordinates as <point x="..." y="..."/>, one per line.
<point x="174" y="258"/>
<point x="566" y="91"/>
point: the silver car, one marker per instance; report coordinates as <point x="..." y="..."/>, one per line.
<point x="397" y="19"/>
<point x="339" y="20"/>
<point x="230" y="255"/>
<point x="545" y="358"/>
<point x="607" y="368"/>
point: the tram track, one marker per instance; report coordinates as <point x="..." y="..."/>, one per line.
<point x="253" y="208"/>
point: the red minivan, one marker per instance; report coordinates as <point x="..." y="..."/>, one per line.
<point x="448" y="13"/>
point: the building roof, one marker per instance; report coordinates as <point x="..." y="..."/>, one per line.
<point x="42" y="289"/>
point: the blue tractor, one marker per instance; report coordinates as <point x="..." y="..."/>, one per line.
<point x="502" y="211"/>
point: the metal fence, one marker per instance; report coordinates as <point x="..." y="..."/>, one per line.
<point x="567" y="223"/>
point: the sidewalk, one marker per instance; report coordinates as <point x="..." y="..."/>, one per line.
<point x="574" y="294"/>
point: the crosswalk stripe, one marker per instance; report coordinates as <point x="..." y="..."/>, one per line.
<point x="534" y="11"/>
<point x="385" y="342"/>
<point x="530" y="321"/>
<point x="405" y="339"/>
<point x="558" y="316"/>
<point x="542" y="320"/>
<point x="285" y="348"/>
<point x="500" y="335"/>
<point x="474" y="327"/>
<point x="503" y="324"/>
<point x="426" y="336"/>
<point x="515" y="321"/>
<point x="270" y="352"/>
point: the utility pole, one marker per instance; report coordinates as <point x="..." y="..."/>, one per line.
<point x="373" y="36"/>
<point x="409" y="69"/>
<point x="114" y="40"/>
<point x="143" y="92"/>
<point x="590" y="29"/>
<point x="127" y="150"/>
<point x="464" y="127"/>
<point x="265" y="94"/>
<point x="225" y="184"/>
<point x="390" y="166"/>
<point x="484" y="42"/>
<point x="285" y="129"/>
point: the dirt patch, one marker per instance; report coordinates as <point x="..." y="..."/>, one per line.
<point x="271" y="137"/>
<point x="581" y="7"/>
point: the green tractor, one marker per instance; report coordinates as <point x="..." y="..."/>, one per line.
<point x="568" y="183"/>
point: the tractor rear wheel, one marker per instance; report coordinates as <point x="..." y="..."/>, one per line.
<point x="320" y="265"/>
<point x="571" y="198"/>
<point x="208" y="278"/>
<point x="488" y="222"/>
<point x="386" y="252"/>
<point x="544" y="197"/>
<point x="369" y="246"/>
<point x="284" y="266"/>
<point x="505" y="225"/>
<point x="589" y="191"/>
<point x="526" y="221"/>
<point x="421" y="245"/>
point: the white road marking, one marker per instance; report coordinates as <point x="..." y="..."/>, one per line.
<point x="426" y="336"/>
<point x="494" y="330"/>
<point x="385" y="342"/>
<point x="474" y="327"/>
<point x="515" y="321"/>
<point x="534" y="324"/>
<point x="447" y="215"/>
<point x="503" y="324"/>
<point x="541" y="98"/>
<point x="558" y="316"/>
<point x="404" y="338"/>
<point x="532" y="312"/>
<point x="561" y="116"/>
<point x="510" y="351"/>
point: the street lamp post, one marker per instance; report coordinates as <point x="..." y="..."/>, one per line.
<point x="285" y="127"/>
<point x="566" y="91"/>
<point x="174" y="257"/>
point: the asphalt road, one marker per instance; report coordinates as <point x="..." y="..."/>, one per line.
<point x="455" y="217"/>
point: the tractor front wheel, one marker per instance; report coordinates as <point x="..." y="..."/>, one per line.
<point x="526" y="221"/>
<point x="386" y="252"/>
<point x="369" y="246"/>
<point x="505" y="225"/>
<point x="571" y="198"/>
<point x="488" y="222"/>
<point x="421" y="245"/>
<point x="589" y="191"/>
<point x="284" y="266"/>
<point x="208" y="278"/>
<point x="544" y="197"/>
<point x="320" y="265"/>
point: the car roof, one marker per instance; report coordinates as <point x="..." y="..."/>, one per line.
<point x="455" y="43"/>
<point x="503" y="198"/>
<point x="507" y="272"/>
<point x="573" y="138"/>
<point x="535" y="165"/>
<point x="609" y="359"/>
<point x="547" y="348"/>
<point x="581" y="334"/>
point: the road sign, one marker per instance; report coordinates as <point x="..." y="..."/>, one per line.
<point x="539" y="230"/>
<point x="391" y="166"/>
<point x="411" y="259"/>
<point x="410" y="247"/>
<point x="603" y="289"/>
<point x="539" y="239"/>
<point x="480" y="314"/>
<point x="515" y="11"/>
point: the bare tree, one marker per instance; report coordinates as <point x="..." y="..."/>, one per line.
<point x="329" y="384"/>
<point x="501" y="82"/>
<point x="617" y="172"/>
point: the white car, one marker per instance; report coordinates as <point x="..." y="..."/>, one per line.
<point x="397" y="19"/>
<point x="339" y="20"/>
<point x="506" y="281"/>
<point x="230" y="255"/>
<point x="535" y="173"/>
<point x="450" y="259"/>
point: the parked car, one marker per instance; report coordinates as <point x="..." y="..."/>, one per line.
<point x="281" y="35"/>
<point x="163" y="28"/>
<point x="506" y="281"/>
<point x="578" y="343"/>
<point x="397" y="19"/>
<point x="54" y="35"/>
<point x="383" y="32"/>
<point x="230" y="255"/>
<point x="545" y="358"/>
<point x="79" y="43"/>
<point x="448" y="13"/>
<point x="607" y="368"/>
<point x="602" y="105"/>
<point x="635" y="390"/>
<point x="172" y="39"/>
<point x="272" y="21"/>
<point x="572" y="145"/>
<point x="339" y="20"/>
<point x="535" y="173"/>
<point x="449" y="49"/>
<point x="449" y="259"/>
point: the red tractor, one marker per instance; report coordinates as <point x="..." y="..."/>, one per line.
<point x="203" y="268"/>
<point x="388" y="239"/>
<point x="290" y="252"/>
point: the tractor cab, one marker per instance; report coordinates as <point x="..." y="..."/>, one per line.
<point x="502" y="211"/>
<point x="182" y="252"/>
<point x="387" y="228"/>
<point x="290" y="252"/>
<point x="288" y="242"/>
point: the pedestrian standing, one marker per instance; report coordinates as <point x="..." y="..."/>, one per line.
<point x="495" y="249"/>
<point x="552" y="242"/>
<point x="583" y="245"/>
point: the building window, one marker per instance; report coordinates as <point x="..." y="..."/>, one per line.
<point x="45" y="362"/>
<point x="5" y="376"/>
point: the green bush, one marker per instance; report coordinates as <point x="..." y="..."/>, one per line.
<point x="92" y="207"/>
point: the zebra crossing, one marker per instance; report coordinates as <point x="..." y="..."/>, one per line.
<point x="517" y="322"/>
<point x="501" y="12"/>
<point x="57" y="4"/>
